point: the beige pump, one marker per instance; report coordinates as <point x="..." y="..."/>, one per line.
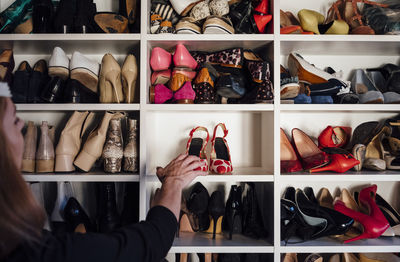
<point x="92" y="149"/>
<point x="110" y="80"/>
<point x="131" y="148"/>
<point x="29" y="156"/>
<point x="71" y="139"/>
<point x="45" y="151"/>
<point x="129" y="77"/>
<point x="113" y="152"/>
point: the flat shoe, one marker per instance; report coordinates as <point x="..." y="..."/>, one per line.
<point x="218" y="25"/>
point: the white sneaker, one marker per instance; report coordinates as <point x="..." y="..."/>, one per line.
<point x="84" y="70"/>
<point x="59" y="64"/>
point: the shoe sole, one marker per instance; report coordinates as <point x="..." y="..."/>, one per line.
<point x="45" y="166"/>
<point x="59" y="71"/>
<point x="187" y="30"/>
<point x="306" y="72"/>
<point x="86" y="78"/>
<point x="290" y="90"/>
<point x="217" y="26"/>
<point x="64" y="163"/>
<point x="28" y="165"/>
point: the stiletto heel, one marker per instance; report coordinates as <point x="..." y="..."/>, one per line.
<point x="129" y="77"/>
<point x="375" y="224"/>
<point x="113" y="81"/>
<point x="197" y="146"/>
<point x="110" y="80"/>
<point x="340" y="163"/>
<point x="216" y="209"/>
<point x="186" y="220"/>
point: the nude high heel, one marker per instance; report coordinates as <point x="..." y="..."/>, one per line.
<point x="92" y="149"/>
<point x="30" y="140"/>
<point x="129" y="77"/>
<point x="45" y="151"/>
<point x="110" y="80"/>
<point x="70" y="140"/>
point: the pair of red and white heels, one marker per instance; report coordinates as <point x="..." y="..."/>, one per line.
<point x="220" y="157"/>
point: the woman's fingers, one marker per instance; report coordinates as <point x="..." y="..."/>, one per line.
<point x="189" y="159"/>
<point x="193" y="166"/>
<point x="180" y="157"/>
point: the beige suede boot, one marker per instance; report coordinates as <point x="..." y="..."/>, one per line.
<point x="129" y="77"/>
<point x="113" y="148"/>
<point x="71" y="139"/>
<point x="131" y="148"/>
<point x="45" y="151"/>
<point x="30" y="141"/>
<point x="92" y="149"/>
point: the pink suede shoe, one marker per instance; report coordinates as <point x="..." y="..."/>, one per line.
<point x="159" y="94"/>
<point x="186" y="94"/>
<point x="182" y="57"/>
<point x="160" y="77"/>
<point x="160" y="59"/>
<point x="189" y="73"/>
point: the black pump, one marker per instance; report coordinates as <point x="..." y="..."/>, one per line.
<point x="198" y="205"/>
<point x="233" y="211"/>
<point x="216" y="208"/>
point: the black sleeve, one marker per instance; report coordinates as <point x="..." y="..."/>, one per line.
<point x="147" y="241"/>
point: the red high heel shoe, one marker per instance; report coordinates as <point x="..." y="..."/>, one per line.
<point x="220" y="158"/>
<point x="311" y="156"/>
<point x="337" y="136"/>
<point x="262" y="8"/>
<point x="197" y="147"/>
<point x="262" y="21"/>
<point x="375" y="224"/>
<point x="340" y="163"/>
<point x="289" y="160"/>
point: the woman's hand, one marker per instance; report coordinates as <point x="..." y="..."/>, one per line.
<point x="180" y="171"/>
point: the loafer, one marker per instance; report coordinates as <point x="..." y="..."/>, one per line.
<point x="37" y="81"/>
<point x="85" y="70"/>
<point x="231" y="86"/>
<point x="188" y="25"/>
<point x="53" y="91"/>
<point x="218" y="25"/>
<point x="20" y="85"/>
<point x="59" y="64"/>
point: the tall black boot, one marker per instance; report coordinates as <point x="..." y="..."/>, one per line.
<point x="130" y="212"/>
<point x="109" y="218"/>
<point x="42" y="16"/>
<point x="64" y="18"/>
<point x="252" y="222"/>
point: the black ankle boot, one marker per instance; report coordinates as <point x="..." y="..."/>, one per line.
<point x="233" y="211"/>
<point x="76" y="218"/>
<point x="64" y="18"/>
<point x="83" y="21"/>
<point x="53" y="91"/>
<point x="20" y="85"/>
<point x="38" y="80"/>
<point x="252" y="220"/>
<point x="109" y="218"/>
<point x="42" y="16"/>
<point x="130" y="212"/>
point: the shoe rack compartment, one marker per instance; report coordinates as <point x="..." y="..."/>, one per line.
<point x="59" y="119"/>
<point x="263" y="48"/>
<point x="201" y="242"/>
<point x="306" y="121"/>
<point x="387" y="190"/>
<point x="249" y="139"/>
<point x="193" y="257"/>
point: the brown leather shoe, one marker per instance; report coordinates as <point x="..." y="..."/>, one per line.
<point x="113" y="151"/>
<point x="110" y="80"/>
<point x="129" y="77"/>
<point x="131" y="149"/>
<point x="71" y="139"/>
<point x="45" y="151"/>
<point x="92" y="149"/>
<point x="29" y="156"/>
<point x="177" y="81"/>
<point x="111" y="23"/>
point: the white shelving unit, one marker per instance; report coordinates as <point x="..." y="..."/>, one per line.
<point x="253" y="129"/>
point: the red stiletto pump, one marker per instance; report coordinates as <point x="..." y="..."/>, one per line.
<point x="340" y="163"/>
<point x="375" y="224"/>
<point x="196" y="146"/>
<point x="337" y="136"/>
<point x="262" y="21"/>
<point x="262" y="7"/>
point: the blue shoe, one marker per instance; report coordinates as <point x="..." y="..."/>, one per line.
<point x="302" y="99"/>
<point x="13" y="15"/>
<point x="322" y="100"/>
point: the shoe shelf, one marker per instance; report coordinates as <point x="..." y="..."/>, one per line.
<point x="349" y="176"/>
<point x="340" y="107"/>
<point x="260" y="175"/>
<point x="98" y="176"/>
<point x="340" y="38"/>
<point x="79" y="107"/>
<point x="203" y="243"/>
<point x="210" y="107"/>
<point x="69" y="37"/>
<point x="210" y="37"/>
